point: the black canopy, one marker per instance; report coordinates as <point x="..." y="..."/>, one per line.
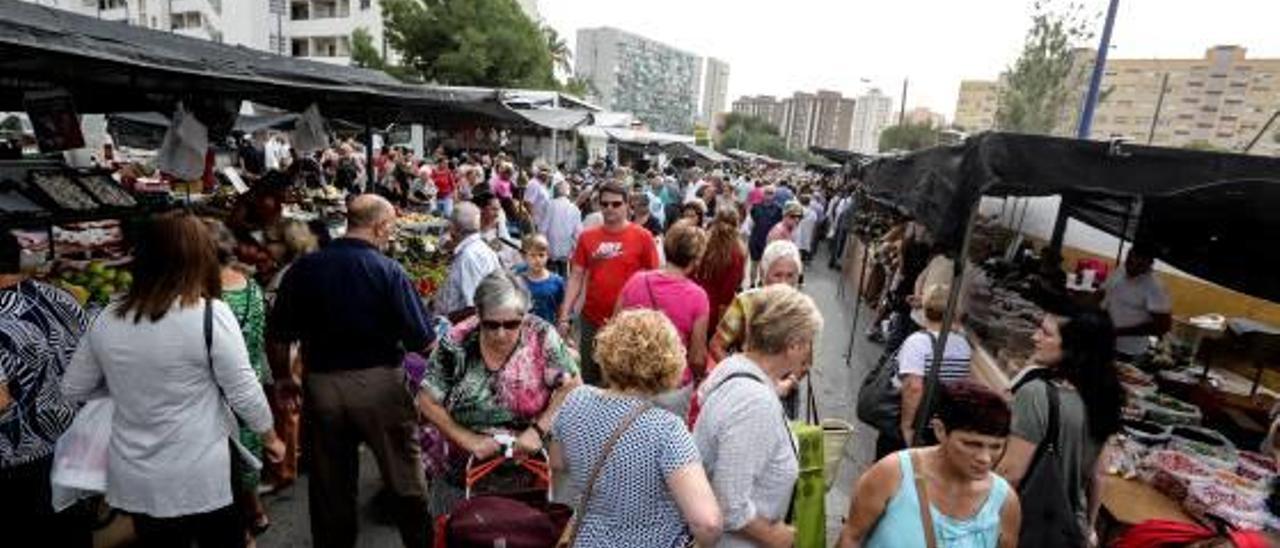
<point x="115" y="67"/>
<point x="1211" y="214"/>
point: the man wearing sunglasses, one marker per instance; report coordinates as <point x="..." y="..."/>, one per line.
<point x="605" y="258"/>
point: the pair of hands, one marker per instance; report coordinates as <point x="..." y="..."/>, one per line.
<point x="484" y="447"/>
<point x="781" y="535"/>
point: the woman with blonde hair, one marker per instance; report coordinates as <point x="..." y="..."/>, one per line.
<point x="650" y="488"/>
<point x="742" y="432"/>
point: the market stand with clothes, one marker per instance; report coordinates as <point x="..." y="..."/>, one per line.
<point x="1202" y="211"/>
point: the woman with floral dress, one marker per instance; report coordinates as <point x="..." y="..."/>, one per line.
<point x="503" y="371"/>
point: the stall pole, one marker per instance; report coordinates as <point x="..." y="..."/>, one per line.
<point x="857" y="306"/>
<point x="933" y="377"/>
<point x="1128" y="217"/>
<point x="1155" y="119"/>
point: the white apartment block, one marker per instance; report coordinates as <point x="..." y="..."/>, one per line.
<point x="871" y="114"/>
<point x="656" y="82"/>
<point x="238" y="22"/>
<point x="715" y="89"/>
<point x="320" y="30"/>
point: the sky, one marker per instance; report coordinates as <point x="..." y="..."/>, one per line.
<point x="780" y="47"/>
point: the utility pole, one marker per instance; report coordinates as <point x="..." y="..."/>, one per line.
<point x="1086" y="114"/>
<point x="902" y="109"/>
<point x="1155" y="119"/>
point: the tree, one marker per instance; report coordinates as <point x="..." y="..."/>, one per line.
<point x="489" y="43"/>
<point x="561" y="57"/>
<point x="909" y="137"/>
<point x="1038" y="88"/>
<point x="580" y="87"/>
<point x="363" y="53"/>
<point x="753" y="134"/>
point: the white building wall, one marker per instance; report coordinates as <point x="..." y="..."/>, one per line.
<point x="871" y="113"/>
<point x="318" y="31"/>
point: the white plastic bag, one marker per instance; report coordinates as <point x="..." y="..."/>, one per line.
<point x="182" y="153"/>
<point x="80" y="457"/>
<point x="309" y="134"/>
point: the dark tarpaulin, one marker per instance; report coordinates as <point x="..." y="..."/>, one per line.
<point x="114" y="67"/>
<point x="1192" y="201"/>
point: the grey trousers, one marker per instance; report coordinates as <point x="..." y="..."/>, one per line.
<point x="343" y="409"/>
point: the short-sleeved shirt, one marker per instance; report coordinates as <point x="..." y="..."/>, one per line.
<point x="473" y="259"/>
<point x="915" y="356"/>
<point x="610" y="259"/>
<point x="1079" y="452"/>
<point x="547" y="293"/>
<point x="351" y="307"/>
<point x="632" y="506"/>
<point x="1133" y="301"/>
<point x="39" y="328"/>
<point x="682" y="300"/>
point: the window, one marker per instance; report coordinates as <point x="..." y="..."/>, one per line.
<point x="300" y="11"/>
<point x="301" y="47"/>
<point x="365" y="4"/>
<point x="1195" y="84"/>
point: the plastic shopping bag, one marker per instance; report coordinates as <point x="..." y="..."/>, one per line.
<point x="80" y="457"/>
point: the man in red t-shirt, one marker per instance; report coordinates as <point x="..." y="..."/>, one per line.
<point x="605" y="258"/>
<point x="442" y="178"/>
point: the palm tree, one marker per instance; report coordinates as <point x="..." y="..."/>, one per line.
<point x="560" y="54"/>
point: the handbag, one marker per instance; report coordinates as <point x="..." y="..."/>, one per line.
<point x="241" y="458"/>
<point x="1048" y="513"/>
<point x="81" y="454"/>
<point x="879" y="398"/>
<point x="571" y="532"/>
<point x="808" y="512"/>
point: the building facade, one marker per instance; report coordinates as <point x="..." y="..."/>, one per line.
<point x="1220" y="101"/>
<point x="715" y="89"/>
<point x="872" y="113"/>
<point x="822" y="119"/>
<point x="654" y="81"/>
<point x="203" y="19"/>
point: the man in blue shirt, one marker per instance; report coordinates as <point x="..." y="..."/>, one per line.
<point x="355" y="313"/>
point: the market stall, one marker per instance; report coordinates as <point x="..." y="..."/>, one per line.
<point x="1202" y="211"/>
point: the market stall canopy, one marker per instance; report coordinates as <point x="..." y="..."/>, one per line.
<point x="113" y="67"/>
<point x="558" y="119"/>
<point x="1207" y="213"/>
<point x="632" y="136"/>
<point x="840" y="156"/>
<point x="699" y="154"/>
<point x="146" y="129"/>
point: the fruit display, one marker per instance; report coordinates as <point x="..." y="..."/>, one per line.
<point x="107" y="191"/>
<point x="62" y="191"/>
<point x="423" y="260"/>
<point x="101" y="240"/>
<point x="96" y="284"/>
<point x="1136" y="382"/>
<point x="15" y="204"/>
<point x="1172" y="472"/>
<point x="422" y="223"/>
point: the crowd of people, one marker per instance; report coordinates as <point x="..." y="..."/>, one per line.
<point x="645" y="330"/>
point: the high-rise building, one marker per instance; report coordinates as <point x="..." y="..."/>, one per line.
<point x="976" y="105"/>
<point x="196" y="18"/>
<point x="715" y="89"/>
<point x="654" y="81"/>
<point x="923" y="116"/>
<point x="1221" y="100"/>
<point x="822" y="119"/>
<point x="320" y="30"/>
<point x="871" y="114"/>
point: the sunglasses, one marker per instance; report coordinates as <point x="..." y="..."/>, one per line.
<point x="494" y="325"/>
<point x="612" y="205"/>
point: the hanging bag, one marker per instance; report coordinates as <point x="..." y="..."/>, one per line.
<point x="880" y="397"/>
<point x="1048" y="514"/>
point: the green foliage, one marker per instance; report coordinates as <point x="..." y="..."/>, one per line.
<point x="579" y="87"/>
<point x="1201" y="144"/>
<point x="909" y="137"/>
<point x="1042" y="81"/>
<point x="561" y="57"/>
<point x="752" y="134"/>
<point x="363" y="52"/>
<point x="489" y="43"/>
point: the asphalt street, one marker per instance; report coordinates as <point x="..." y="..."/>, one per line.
<point x="835" y="385"/>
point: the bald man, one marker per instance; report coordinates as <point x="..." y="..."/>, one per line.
<point x="355" y="312"/>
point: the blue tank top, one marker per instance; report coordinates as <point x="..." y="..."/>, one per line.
<point x="900" y="526"/>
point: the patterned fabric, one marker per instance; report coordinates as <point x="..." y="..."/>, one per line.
<point x="632" y="506"/>
<point x="732" y="328"/>
<point x="481" y="400"/>
<point x="39" y="328"/>
<point x="249" y="308"/>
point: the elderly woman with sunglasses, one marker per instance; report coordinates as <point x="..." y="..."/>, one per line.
<point x="504" y="371"/>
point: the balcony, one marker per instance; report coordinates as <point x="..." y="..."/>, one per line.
<point x="319" y="9"/>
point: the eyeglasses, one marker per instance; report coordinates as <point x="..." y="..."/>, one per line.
<point x="494" y="325"/>
<point x="612" y="205"/>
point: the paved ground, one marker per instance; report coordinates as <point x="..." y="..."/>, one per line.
<point x="835" y="384"/>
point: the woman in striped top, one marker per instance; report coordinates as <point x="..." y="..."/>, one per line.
<point x="916" y="356"/>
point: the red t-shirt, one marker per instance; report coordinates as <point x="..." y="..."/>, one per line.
<point x="610" y="258"/>
<point x="443" y="179"/>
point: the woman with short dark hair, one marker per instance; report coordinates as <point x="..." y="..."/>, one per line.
<point x="969" y="505"/>
<point x="172" y="358"/>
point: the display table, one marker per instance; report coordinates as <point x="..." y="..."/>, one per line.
<point x="1130" y="502"/>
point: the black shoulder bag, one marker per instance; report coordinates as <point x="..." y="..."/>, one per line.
<point x="1048" y="510"/>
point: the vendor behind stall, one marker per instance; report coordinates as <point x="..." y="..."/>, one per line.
<point x="1137" y="303"/>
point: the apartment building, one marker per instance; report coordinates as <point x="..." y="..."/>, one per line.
<point x="1221" y="100"/>
<point x="715" y="89"/>
<point x="923" y="116"/>
<point x="823" y="118"/>
<point x="872" y="113"/>
<point x="239" y="22"/>
<point x="655" y="82"/>
<point x="765" y="107"/>
<point x="976" y="105"/>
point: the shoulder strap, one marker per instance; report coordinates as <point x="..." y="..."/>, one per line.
<point x="605" y="451"/>
<point x="1049" y="444"/>
<point x="922" y="497"/>
<point x="208" y="344"/>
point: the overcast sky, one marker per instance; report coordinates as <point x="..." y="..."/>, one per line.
<point x="778" y="47"/>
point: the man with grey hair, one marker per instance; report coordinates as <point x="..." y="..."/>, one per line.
<point x="473" y="259"/>
<point x="563" y="225"/>
<point x="355" y="313"/>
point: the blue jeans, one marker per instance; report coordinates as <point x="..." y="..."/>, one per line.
<point x="444" y="206"/>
